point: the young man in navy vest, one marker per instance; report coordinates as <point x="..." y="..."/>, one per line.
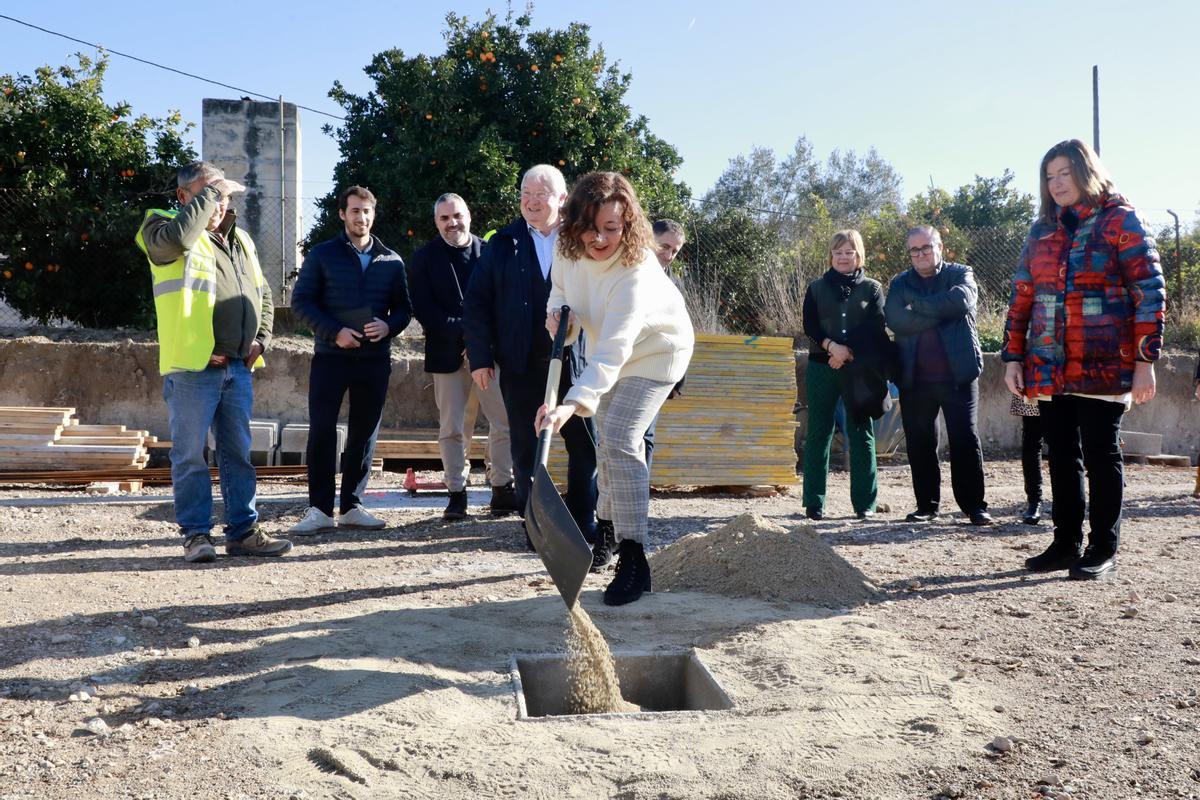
<point x="353" y="293"/>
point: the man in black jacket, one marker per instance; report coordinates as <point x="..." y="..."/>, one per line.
<point x="353" y="292"/>
<point x="438" y="274"/>
<point x="504" y="319"/>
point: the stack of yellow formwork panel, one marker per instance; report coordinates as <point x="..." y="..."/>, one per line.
<point x="734" y="424"/>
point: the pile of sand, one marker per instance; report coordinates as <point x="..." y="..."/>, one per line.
<point x="591" y="671"/>
<point x="754" y="557"/>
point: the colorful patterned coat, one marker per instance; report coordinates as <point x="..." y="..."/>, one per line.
<point x="1087" y="301"/>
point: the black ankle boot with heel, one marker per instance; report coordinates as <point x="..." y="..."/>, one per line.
<point x="632" y="578"/>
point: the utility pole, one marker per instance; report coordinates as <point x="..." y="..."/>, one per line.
<point x="1096" y="108"/>
<point x="1178" y="265"/>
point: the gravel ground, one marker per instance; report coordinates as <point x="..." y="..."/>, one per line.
<point x="126" y="673"/>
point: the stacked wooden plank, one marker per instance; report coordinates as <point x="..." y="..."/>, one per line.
<point x="37" y="438"/>
<point x="734" y="424"/>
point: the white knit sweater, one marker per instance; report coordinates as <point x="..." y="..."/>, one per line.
<point x="635" y="319"/>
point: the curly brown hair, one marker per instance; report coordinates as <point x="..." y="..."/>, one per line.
<point x="588" y="194"/>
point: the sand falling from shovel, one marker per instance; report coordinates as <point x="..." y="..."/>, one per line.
<point x="591" y="670"/>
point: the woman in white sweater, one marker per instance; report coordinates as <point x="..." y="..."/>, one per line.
<point x="640" y="341"/>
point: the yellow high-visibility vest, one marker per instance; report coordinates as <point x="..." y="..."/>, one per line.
<point x="185" y="293"/>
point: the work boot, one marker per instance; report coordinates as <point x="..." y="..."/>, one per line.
<point x="359" y="517"/>
<point x="313" y="522"/>
<point x="633" y="575"/>
<point x="1033" y="513"/>
<point x="504" y="500"/>
<point x="1097" y="562"/>
<point x="199" y="549"/>
<point x="456" y="509"/>
<point x="1061" y="554"/>
<point x="258" y="543"/>
<point x="606" y="543"/>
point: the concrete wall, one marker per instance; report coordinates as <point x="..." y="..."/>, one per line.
<point x="243" y="138"/>
<point x="1174" y="413"/>
<point x="118" y="382"/>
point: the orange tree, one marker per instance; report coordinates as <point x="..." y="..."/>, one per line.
<point x="76" y="175"/>
<point x="501" y="98"/>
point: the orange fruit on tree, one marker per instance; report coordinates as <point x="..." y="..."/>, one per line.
<point x="29" y="266"/>
<point x="558" y="58"/>
<point x="470" y="54"/>
<point x="7" y="274"/>
<point x="576" y="100"/>
<point x="533" y="67"/>
<point x="485" y="34"/>
<point x="429" y="116"/>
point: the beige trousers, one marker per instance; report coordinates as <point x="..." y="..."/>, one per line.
<point x="451" y="392"/>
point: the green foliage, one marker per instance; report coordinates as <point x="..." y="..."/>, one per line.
<point x="727" y="248"/>
<point x="76" y="175"/>
<point x="501" y="98"/>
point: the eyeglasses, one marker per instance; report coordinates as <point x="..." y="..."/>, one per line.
<point x="920" y="251"/>
<point x="542" y="196"/>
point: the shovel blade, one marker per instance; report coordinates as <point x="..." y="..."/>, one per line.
<point x="556" y="537"/>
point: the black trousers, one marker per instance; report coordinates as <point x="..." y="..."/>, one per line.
<point x="1031" y="457"/>
<point x="523" y="396"/>
<point x="329" y="378"/>
<point x="919" y="407"/>
<point x="1084" y="435"/>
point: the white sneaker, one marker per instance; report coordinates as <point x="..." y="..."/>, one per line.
<point x="314" y="521"/>
<point x="359" y="517"/>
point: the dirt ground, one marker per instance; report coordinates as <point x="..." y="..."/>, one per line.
<point x="377" y="664"/>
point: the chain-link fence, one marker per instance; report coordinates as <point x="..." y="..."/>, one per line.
<point x="741" y="270"/>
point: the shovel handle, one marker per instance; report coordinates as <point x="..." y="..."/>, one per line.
<point x="556" y="350"/>
<point x="552" y="377"/>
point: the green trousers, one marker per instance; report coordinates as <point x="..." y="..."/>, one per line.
<point x="823" y="388"/>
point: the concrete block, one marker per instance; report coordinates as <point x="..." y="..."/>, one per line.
<point x="1141" y="444"/>
<point x="293" y="442"/>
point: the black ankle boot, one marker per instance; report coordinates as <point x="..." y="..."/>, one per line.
<point x="605" y="545"/>
<point x="1033" y="513"/>
<point x="1061" y="554"/>
<point x="633" y="575"/>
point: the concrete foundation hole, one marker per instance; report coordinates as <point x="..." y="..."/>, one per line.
<point x="657" y="682"/>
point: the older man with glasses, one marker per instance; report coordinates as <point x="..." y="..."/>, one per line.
<point x="931" y="309"/>
<point x="504" y="322"/>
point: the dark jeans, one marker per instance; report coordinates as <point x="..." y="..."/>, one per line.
<point x="523" y="396"/>
<point x="919" y="406"/>
<point x="329" y="378"/>
<point x="1031" y="457"/>
<point x="1084" y="433"/>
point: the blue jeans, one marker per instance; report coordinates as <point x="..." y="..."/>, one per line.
<point x="219" y="398"/>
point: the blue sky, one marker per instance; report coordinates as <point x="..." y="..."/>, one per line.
<point x="942" y="90"/>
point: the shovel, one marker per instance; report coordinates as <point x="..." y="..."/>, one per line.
<point x="551" y="528"/>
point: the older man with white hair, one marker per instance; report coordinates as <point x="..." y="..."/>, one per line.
<point x="504" y="319"/>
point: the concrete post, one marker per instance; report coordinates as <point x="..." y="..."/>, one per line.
<point x="243" y="138"/>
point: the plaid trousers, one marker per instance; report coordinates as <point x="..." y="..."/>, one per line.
<point x="624" y="479"/>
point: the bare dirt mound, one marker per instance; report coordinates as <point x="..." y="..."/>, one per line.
<point x="754" y="557"/>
